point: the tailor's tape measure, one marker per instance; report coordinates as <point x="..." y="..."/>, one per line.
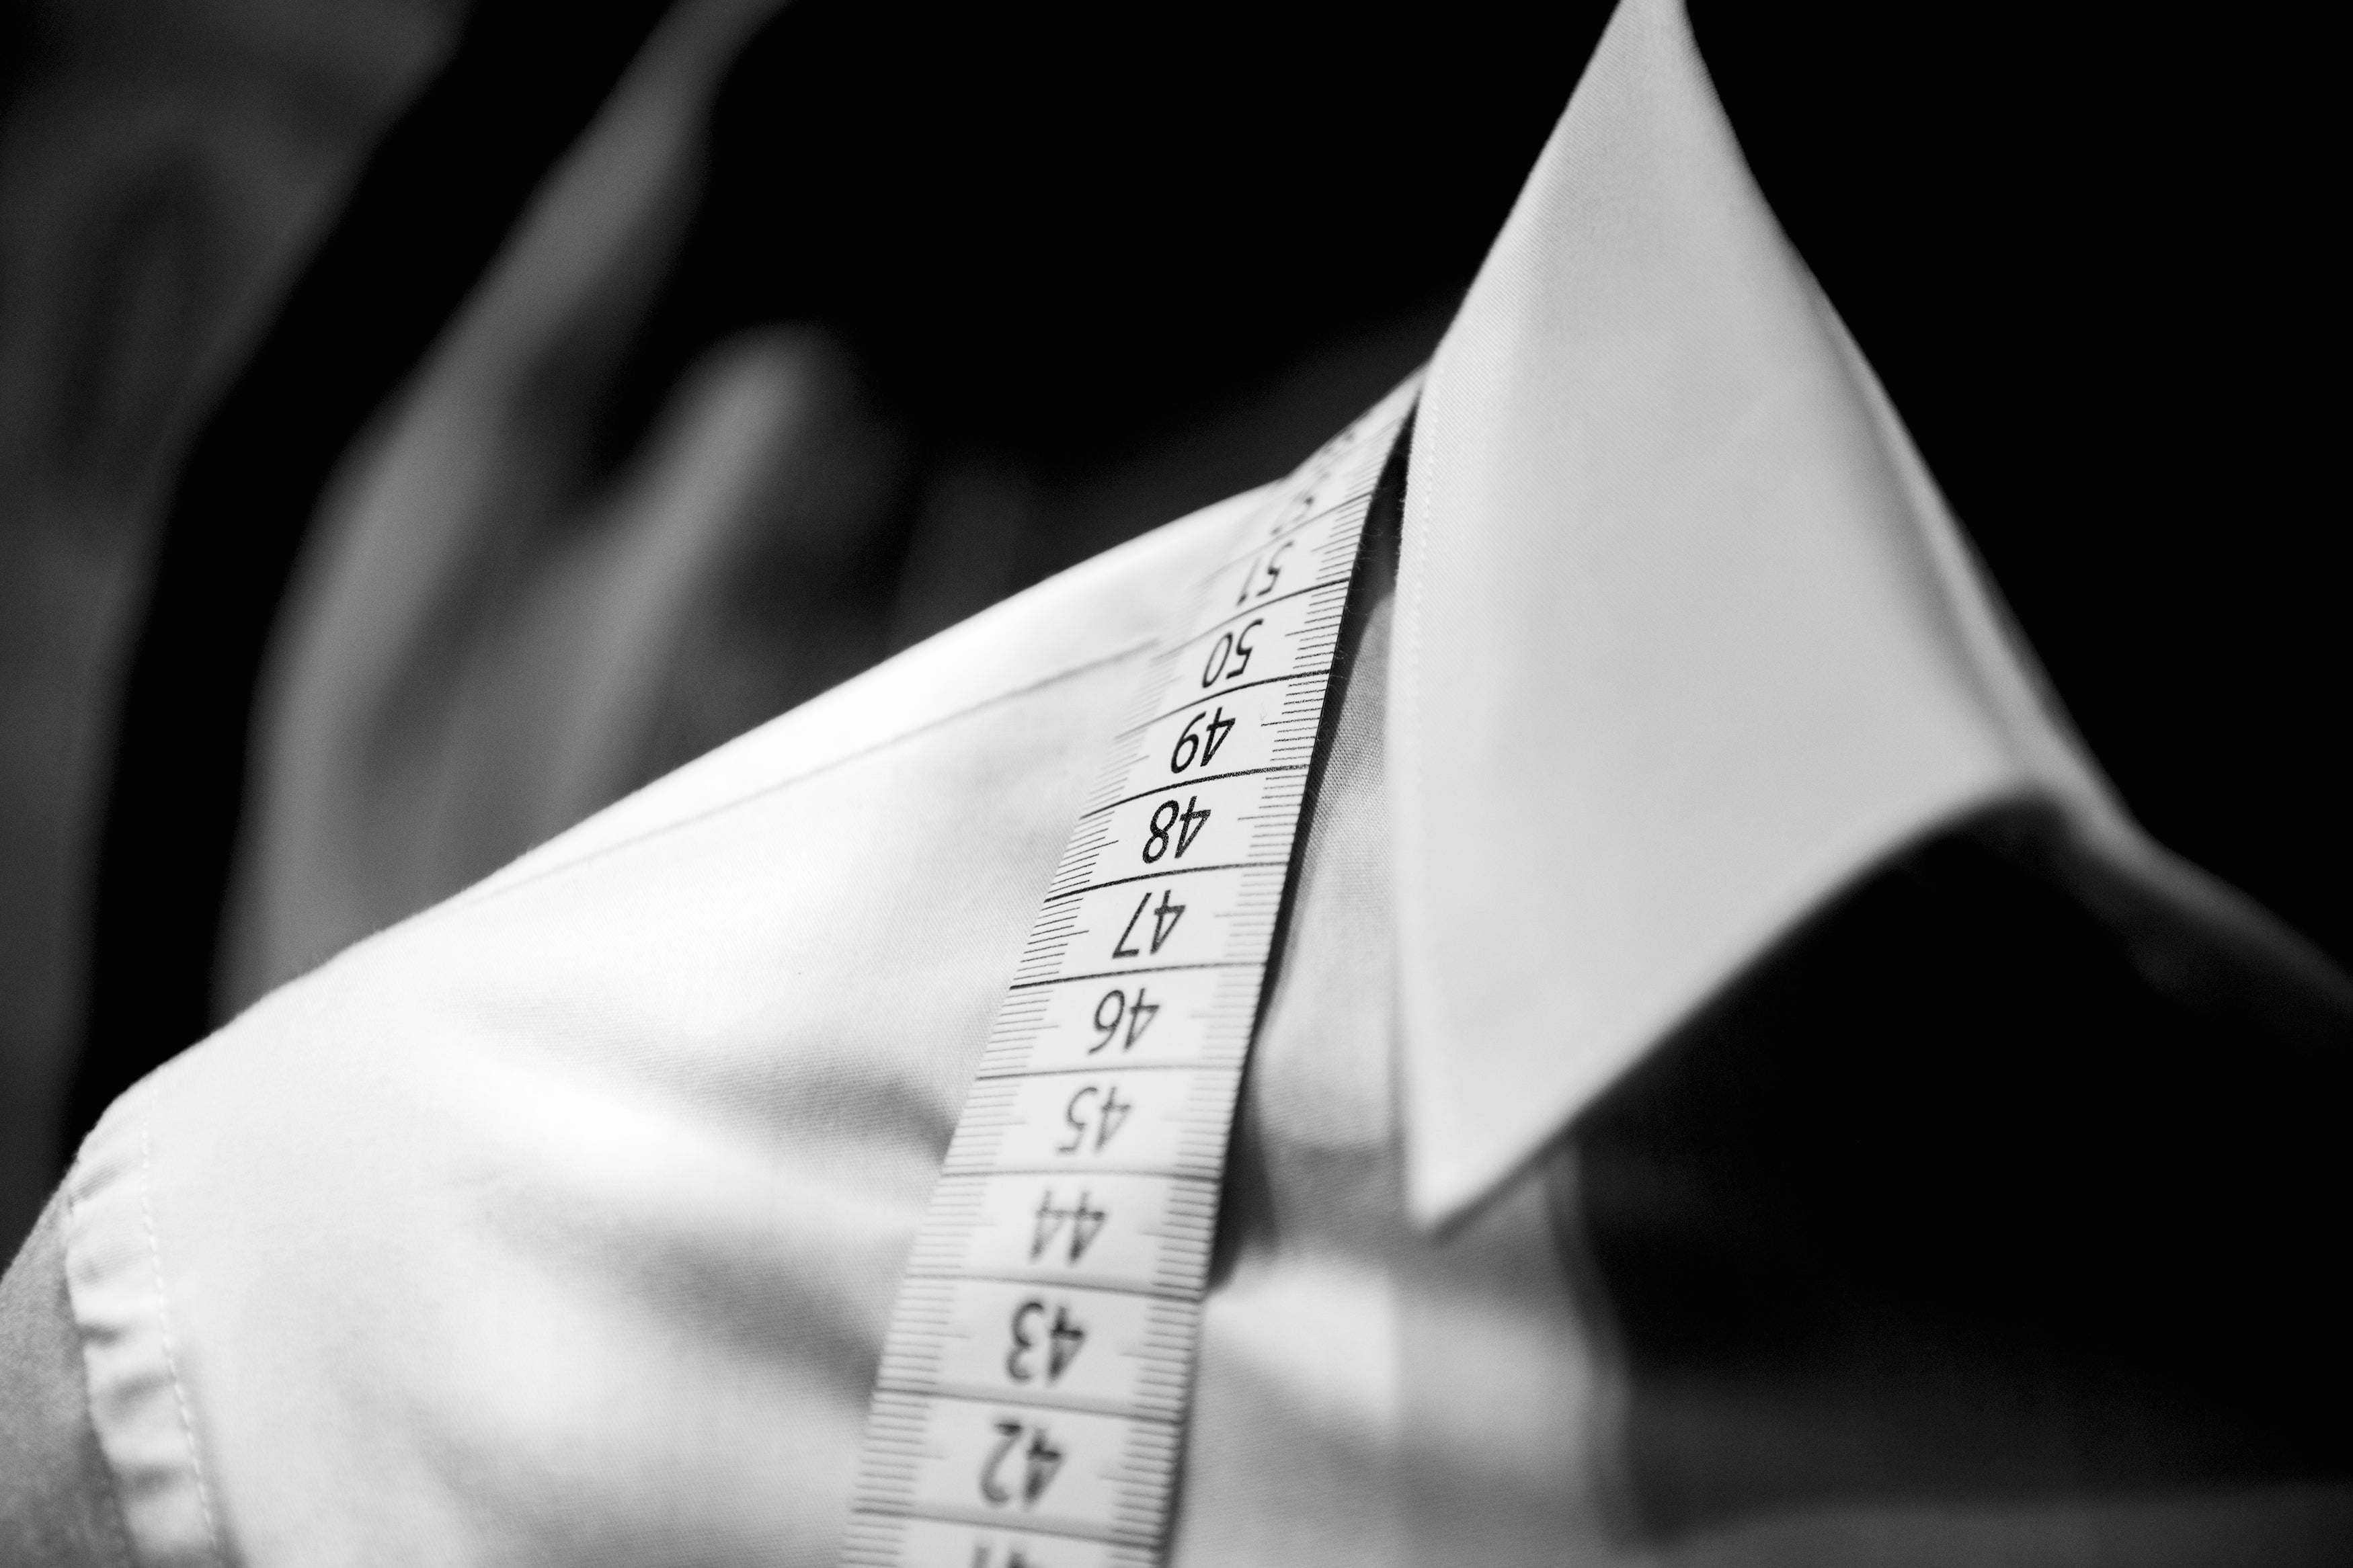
<point x="1030" y="1402"/>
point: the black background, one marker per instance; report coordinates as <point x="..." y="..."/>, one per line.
<point x="2084" y="256"/>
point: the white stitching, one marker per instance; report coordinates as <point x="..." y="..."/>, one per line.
<point x="69" y="1220"/>
<point x="163" y="1317"/>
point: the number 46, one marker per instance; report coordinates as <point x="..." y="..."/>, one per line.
<point x="1115" y="1009"/>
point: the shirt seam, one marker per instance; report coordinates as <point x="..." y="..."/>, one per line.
<point x="485" y="893"/>
<point x="163" y="1323"/>
<point x="125" y="1547"/>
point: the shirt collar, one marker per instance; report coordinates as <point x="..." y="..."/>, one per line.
<point x="1685" y="638"/>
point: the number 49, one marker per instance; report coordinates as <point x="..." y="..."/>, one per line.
<point x="1191" y="747"/>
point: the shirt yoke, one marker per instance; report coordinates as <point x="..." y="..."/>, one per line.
<point x="1101" y="611"/>
<point x="568" y="1213"/>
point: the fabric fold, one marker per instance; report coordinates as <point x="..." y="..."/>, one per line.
<point x="137" y="1371"/>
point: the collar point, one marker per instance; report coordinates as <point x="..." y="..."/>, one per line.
<point x="1443" y="1185"/>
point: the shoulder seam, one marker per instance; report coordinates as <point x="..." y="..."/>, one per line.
<point x="498" y="887"/>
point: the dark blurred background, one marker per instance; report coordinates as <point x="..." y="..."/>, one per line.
<point x="166" y="166"/>
<point x="1032" y="279"/>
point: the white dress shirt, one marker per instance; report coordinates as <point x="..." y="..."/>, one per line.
<point x="560" y="1223"/>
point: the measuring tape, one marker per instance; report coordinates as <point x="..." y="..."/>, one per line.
<point x="1029" y="1407"/>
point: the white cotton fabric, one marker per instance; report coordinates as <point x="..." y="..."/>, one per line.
<point x="560" y="1223"/>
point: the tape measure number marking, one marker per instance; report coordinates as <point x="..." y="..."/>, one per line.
<point x="1030" y="1406"/>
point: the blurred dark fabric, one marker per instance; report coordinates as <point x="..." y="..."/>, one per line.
<point x="430" y="207"/>
<point x="1055" y="239"/>
<point x="1971" y="1198"/>
<point x="1058" y="232"/>
<point x="163" y="166"/>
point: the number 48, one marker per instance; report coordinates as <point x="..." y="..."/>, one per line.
<point x="1187" y="824"/>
